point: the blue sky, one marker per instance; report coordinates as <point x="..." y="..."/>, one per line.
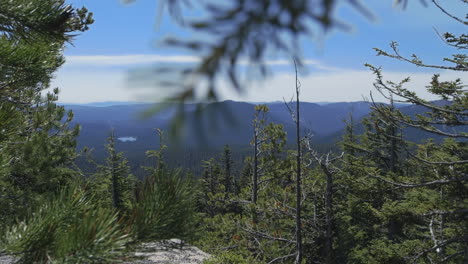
<point x="128" y="36"/>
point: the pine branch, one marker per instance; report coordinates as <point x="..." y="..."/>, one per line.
<point x="448" y="14"/>
<point x="457" y="162"/>
<point x="283" y="257"/>
<point x="440" y="245"/>
<point x="416" y="185"/>
<point x="438" y="212"/>
<point x="267" y="236"/>
<point x="415" y="60"/>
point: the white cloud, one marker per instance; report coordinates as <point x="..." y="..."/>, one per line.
<point x="126" y="60"/>
<point x="105" y="78"/>
<point x="91" y="86"/>
<point x="102" y="84"/>
<point x="141" y="59"/>
<point x="346" y="85"/>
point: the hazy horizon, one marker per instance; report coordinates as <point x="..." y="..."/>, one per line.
<point x="108" y="103"/>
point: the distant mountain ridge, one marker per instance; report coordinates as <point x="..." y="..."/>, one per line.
<point x="105" y="104"/>
<point x="217" y="124"/>
<point x="221" y="123"/>
<point x="204" y="133"/>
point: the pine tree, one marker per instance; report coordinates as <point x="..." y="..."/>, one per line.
<point x="246" y="175"/>
<point x="37" y="146"/>
<point x="428" y="193"/>
<point x="378" y="152"/>
<point x="113" y="185"/>
<point x="227" y="164"/>
<point x="159" y="154"/>
<point x="213" y="191"/>
<point x="258" y="127"/>
<point x="297" y="121"/>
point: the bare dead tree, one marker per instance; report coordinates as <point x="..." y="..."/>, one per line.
<point x="258" y="127"/>
<point x="296" y="118"/>
<point x="298" y="176"/>
<point x="325" y="162"/>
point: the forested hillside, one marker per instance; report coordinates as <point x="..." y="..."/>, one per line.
<point x="226" y="123"/>
<point x="203" y="135"/>
<point x="217" y="124"/>
<point x="293" y="182"/>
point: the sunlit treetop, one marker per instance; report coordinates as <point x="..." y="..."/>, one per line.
<point x="42" y="18"/>
<point x="32" y="37"/>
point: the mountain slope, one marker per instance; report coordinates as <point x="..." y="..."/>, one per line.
<point x="214" y="125"/>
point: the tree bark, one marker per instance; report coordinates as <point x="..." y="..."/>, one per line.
<point x="298" y="176"/>
<point x="328" y="215"/>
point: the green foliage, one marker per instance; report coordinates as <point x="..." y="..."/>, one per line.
<point x="222" y="237"/>
<point x="231" y="258"/>
<point x="259" y="231"/>
<point x="165" y="207"/>
<point x="37" y="146"/>
<point x="113" y="185"/>
<point x="227" y="164"/>
<point x="406" y="202"/>
<point x="67" y="228"/>
<point x="211" y="198"/>
<point x="37" y="149"/>
<point x="390" y="201"/>
<point x="158" y="154"/>
<point x="46" y="19"/>
<point x="26" y="65"/>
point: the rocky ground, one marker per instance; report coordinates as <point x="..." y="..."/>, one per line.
<point x="169" y="252"/>
<point x="165" y="252"/>
<point x="6" y="260"/>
